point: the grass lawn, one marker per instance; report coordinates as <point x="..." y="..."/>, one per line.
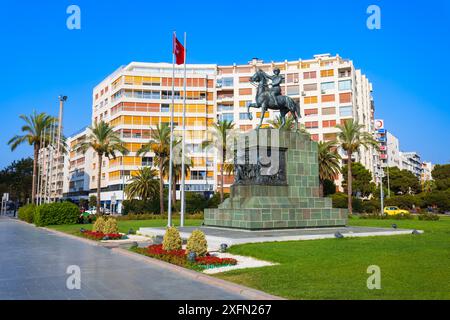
<point x="412" y="266"/>
<point x="125" y="225"/>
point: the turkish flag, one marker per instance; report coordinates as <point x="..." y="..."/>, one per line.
<point x="178" y="51"/>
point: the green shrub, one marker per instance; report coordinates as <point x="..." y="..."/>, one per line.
<point x="147" y="216"/>
<point x="439" y="199"/>
<point x="197" y="243"/>
<point x="172" y="239"/>
<point x="56" y="213"/>
<point x="406" y="201"/>
<point x="386" y="217"/>
<point x="26" y="213"/>
<point x="340" y="201"/>
<point x="110" y="226"/>
<point x="371" y="206"/>
<point x="428" y="217"/>
<point x="99" y="224"/>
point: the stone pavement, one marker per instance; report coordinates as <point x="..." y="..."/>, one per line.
<point x="33" y="265"/>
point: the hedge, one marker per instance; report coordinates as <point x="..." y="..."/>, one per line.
<point x="26" y="213"/>
<point x="56" y="213"/>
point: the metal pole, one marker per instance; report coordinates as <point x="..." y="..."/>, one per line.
<point x="62" y="99"/>
<point x="388" y="183"/>
<point x="169" y="208"/>
<point x="381" y="194"/>
<point x="183" y="164"/>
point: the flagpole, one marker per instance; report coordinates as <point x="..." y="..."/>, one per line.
<point x="169" y="208"/>
<point x="183" y="164"/>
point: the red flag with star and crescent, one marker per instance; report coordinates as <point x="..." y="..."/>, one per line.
<point x="178" y="51"/>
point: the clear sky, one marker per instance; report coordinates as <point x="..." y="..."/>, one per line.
<point x="407" y="61"/>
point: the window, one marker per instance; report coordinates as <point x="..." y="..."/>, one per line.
<point x="328" y="111"/>
<point x="311" y="112"/>
<point x="226" y="117"/>
<point x="244" y="104"/>
<point x="345" y="85"/>
<point x="165" y="107"/>
<point x="345" y="97"/>
<point x="227" y="82"/>
<point x="243" y="116"/>
<point x="222" y="107"/>
<point x="245" y="91"/>
<point x="326" y="73"/>
<point x="309" y="75"/>
<point x="310" y="87"/>
<point x="293" y="90"/>
<point x="346" y="111"/>
<point x="328" y="123"/>
<point x="310" y="100"/>
<point x="327" y="86"/>
<point x="198" y="175"/>
<point x="292" y="78"/>
<point x="311" y="124"/>
<point x="328" y="98"/>
<point x="147" y="161"/>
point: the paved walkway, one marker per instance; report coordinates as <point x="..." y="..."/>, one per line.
<point x="33" y="264"/>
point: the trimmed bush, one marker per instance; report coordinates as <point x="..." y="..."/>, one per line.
<point x="406" y="202"/>
<point x="145" y="216"/>
<point x="197" y="243"/>
<point x="371" y="206"/>
<point x="26" y="213"/>
<point x="111" y="226"/>
<point x="340" y="201"/>
<point x="428" y="217"/>
<point x="172" y="240"/>
<point x="56" y="213"/>
<point x="99" y="224"/>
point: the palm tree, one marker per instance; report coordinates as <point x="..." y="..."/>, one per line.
<point x="35" y="131"/>
<point x="220" y="132"/>
<point x="105" y="142"/>
<point x="159" y="144"/>
<point x="329" y="162"/>
<point x="143" y="184"/>
<point x="290" y="124"/>
<point x="351" y="138"/>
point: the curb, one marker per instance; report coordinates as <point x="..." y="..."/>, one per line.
<point x="246" y="292"/>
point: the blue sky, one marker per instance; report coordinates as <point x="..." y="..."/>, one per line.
<point x="407" y="61"/>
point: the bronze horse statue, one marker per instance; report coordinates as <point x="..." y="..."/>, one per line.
<point x="266" y="100"/>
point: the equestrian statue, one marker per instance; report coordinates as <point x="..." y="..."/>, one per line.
<point x="271" y="98"/>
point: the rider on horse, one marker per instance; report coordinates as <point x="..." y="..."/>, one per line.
<point x="277" y="80"/>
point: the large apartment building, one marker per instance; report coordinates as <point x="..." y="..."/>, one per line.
<point x="137" y="97"/>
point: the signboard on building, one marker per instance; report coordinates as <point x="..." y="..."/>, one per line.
<point x="379" y="124"/>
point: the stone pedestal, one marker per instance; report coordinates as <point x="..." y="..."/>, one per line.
<point x="291" y="201"/>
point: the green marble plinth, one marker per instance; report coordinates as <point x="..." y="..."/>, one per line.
<point x="295" y="205"/>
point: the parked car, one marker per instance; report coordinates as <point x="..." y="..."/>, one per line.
<point x="392" y="211"/>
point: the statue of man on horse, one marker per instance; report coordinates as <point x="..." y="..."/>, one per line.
<point x="271" y="98"/>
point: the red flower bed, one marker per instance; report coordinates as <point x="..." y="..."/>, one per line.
<point x="215" y="261"/>
<point x="94" y="235"/>
<point x="157" y="249"/>
<point x="179" y="257"/>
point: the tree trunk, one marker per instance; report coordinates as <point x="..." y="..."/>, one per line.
<point x="161" y="187"/>
<point x="35" y="173"/>
<point x="320" y="188"/>
<point x="99" y="181"/>
<point x="349" y="181"/>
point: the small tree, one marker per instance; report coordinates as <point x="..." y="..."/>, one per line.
<point x="92" y="201"/>
<point x="351" y="139"/>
